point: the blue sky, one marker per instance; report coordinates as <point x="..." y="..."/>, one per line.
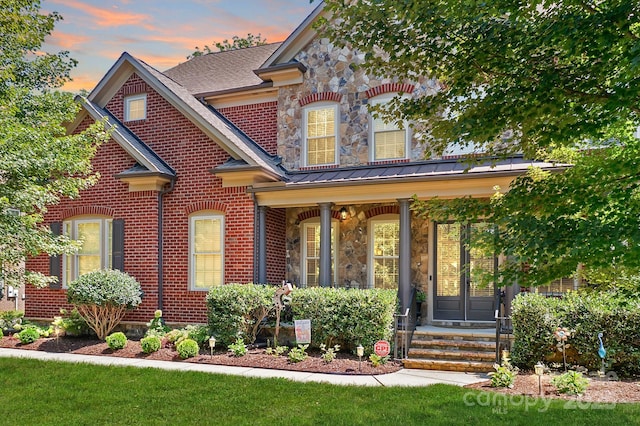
<point x="160" y="32"/>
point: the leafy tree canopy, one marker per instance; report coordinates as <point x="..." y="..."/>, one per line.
<point x="39" y="163"/>
<point x="551" y="80"/>
<point x="235" y="43"/>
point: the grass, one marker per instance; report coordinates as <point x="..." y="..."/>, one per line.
<point x="51" y="393"/>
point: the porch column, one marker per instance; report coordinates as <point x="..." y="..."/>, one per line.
<point x="404" y="255"/>
<point x="324" y="276"/>
<point x="262" y="245"/>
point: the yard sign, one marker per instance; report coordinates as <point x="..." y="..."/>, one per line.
<point x="303" y="331"/>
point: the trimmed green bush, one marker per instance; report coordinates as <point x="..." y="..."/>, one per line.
<point x="571" y="383"/>
<point x="150" y="344"/>
<point x="28" y="335"/>
<point x="346" y="317"/>
<point x="187" y="348"/>
<point x="237" y="310"/>
<point x="102" y="298"/>
<point x="116" y="341"/>
<point x="535" y="318"/>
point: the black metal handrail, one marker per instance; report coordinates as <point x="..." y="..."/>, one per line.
<point x="404" y="326"/>
<point x="503" y="325"/>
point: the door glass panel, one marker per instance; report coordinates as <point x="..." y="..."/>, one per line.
<point x="479" y="263"/>
<point x="448" y="259"/>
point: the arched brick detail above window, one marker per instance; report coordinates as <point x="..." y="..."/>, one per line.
<point x="377" y="211"/>
<point x="390" y="88"/>
<point x="205" y="205"/>
<point x="335" y="214"/>
<point x="88" y="210"/>
<point x="319" y="97"/>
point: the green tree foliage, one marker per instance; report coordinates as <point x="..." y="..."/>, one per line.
<point x="551" y="80"/>
<point x="39" y="163"/>
<point x="235" y="43"/>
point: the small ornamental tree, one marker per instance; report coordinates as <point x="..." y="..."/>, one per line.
<point x="103" y="297"/>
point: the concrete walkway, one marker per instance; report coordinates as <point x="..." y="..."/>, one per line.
<point x="404" y="377"/>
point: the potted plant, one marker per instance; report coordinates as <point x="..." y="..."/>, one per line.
<point x="420" y="297"/>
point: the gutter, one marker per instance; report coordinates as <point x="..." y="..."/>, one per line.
<point x="161" y="195"/>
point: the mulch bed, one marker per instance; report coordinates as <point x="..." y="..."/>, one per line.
<point x="598" y="391"/>
<point x="343" y="364"/>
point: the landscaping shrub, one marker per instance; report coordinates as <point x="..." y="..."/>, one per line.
<point x="103" y="297"/>
<point x="571" y="383"/>
<point x="28" y="335"/>
<point x="238" y="310"/>
<point x="156" y="326"/>
<point x="536" y="318"/>
<point x="1" y="334"/>
<point x="238" y="348"/>
<point x="10" y="319"/>
<point x="298" y="354"/>
<point x="116" y="341"/>
<point x="187" y="348"/>
<point x="70" y="323"/>
<point x="150" y="344"/>
<point x="346" y="317"/>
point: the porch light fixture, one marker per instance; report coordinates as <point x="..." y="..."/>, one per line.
<point x="343" y="213"/>
<point x="212" y="344"/>
<point x="539" y="369"/>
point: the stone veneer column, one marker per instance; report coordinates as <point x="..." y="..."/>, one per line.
<point x="262" y="245"/>
<point x="404" y="255"/>
<point x="324" y="277"/>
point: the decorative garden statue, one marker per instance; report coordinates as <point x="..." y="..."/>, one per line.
<point x="280" y="300"/>
<point x="602" y="352"/>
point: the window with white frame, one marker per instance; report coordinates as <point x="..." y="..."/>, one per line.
<point x="135" y="107"/>
<point x="95" y="235"/>
<point x="321" y="126"/>
<point x="389" y="141"/>
<point x="384" y="251"/>
<point x="310" y="242"/>
<point x="206" y="250"/>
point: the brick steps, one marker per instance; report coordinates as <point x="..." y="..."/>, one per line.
<point x="452" y="350"/>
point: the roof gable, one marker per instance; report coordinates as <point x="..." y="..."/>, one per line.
<point x="207" y="119"/>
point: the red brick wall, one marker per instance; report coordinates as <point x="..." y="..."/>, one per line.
<point x="258" y="121"/>
<point x="276" y="245"/>
<point x="185" y="148"/>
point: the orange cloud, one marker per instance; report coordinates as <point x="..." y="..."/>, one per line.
<point x="67" y="41"/>
<point x="106" y="17"/>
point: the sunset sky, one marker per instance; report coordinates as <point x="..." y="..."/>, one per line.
<point x="160" y="32"/>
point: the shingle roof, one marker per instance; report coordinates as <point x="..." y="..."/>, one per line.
<point x="147" y="161"/>
<point x="222" y="71"/>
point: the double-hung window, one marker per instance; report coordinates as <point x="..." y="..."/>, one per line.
<point x="310" y="268"/>
<point x="389" y="140"/>
<point x="206" y="251"/>
<point x="135" y="107"/>
<point x="95" y="253"/>
<point x="385" y="247"/>
<point x="321" y="126"/>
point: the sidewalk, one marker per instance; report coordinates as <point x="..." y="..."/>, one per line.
<point x="404" y="377"/>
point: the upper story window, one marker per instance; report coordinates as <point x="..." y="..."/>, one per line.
<point x="206" y="250"/>
<point x="135" y="107"/>
<point x="321" y="126"/>
<point x="389" y="141"/>
<point x="95" y="233"/>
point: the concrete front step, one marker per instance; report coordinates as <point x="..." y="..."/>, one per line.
<point x="476" y="345"/>
<point x="453" y="355"/>
<point x="448" y="365"/>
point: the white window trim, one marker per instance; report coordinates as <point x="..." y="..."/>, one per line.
<point x="303" y="251"/>
<point x="127" y="102"/>
<point x="305" y="145"/>
<point x="386" y="218"/>
<point x="105" y="249"/>
<point x="383" y="99"/>
<point x="192" y="264"/>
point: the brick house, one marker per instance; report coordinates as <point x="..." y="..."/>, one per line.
<point x="260" y="165"/>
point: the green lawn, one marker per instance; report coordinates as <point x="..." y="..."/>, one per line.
<point x="50" y="393"/>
